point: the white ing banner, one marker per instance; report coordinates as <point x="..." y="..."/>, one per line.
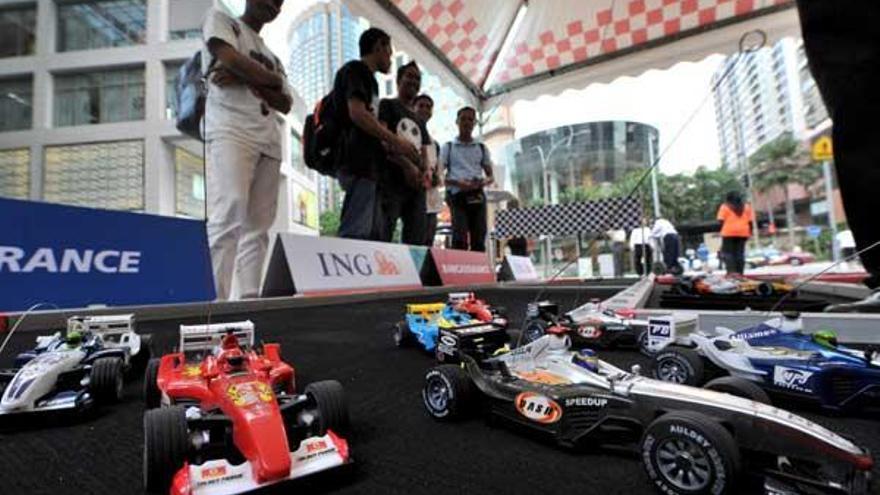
<point x="329" y="264"/>
<point x="522" y="268"/>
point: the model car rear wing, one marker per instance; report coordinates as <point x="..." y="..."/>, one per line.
<point x="425" y="309"/>
<point x="457" y="297"/>
<point x="194" y="338"/>
<point x="110" y="327"/>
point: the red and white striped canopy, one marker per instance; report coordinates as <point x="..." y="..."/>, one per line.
<point x="553" y="45"/>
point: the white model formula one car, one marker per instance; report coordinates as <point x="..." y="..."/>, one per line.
<point x="74" y="369"/>
<point x="691" y="441"/>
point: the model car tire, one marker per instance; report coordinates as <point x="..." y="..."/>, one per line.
<point x="402" y="335"/>
<point x="678" y="365"/>
<point x="329" y="397"/>
<point x="140" y="361"/>
<point x="152" y="394"/>
<point x="106" y="380"/>
<point x="534" y="330"/>
<point x="642" y="342"/>
<point x="166" y="444"/>
<point x="738" y="387"/>
<point x="686" y="452"/>
<point x="764" y="289"/>
<point x="448" y="392"/>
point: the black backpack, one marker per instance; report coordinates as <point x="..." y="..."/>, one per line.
<point x="321" y="138"/>
<point x="192" y="91"/>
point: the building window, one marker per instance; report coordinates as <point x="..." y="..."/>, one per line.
<point x="185" y="18"/>
<point x="189" y="171"/>
<point x="99" y="97"/>
<point x="171" y="70"/>
<point x="98" y="175"/>
<point x="15" y="173"/>
<point x="85" y="25"/>
<point x="16" y="101"/>
<point x="17" y="30"/>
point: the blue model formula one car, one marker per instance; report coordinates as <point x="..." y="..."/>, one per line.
<point x="440" y="329"/>
<point x="781" y="358"/>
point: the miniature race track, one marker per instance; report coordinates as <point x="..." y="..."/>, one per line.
<point x="397" y="447"/>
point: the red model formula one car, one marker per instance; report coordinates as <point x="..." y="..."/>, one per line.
<point x="467" y="302"/>
<point x="223" y="418"/>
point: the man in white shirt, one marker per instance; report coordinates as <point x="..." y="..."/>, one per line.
<point x="618" y="248"/>
<point x="247" y="91"/>
<point x="666" y="234"/>
<point x="642" y="247"/>
<point x="846" y="242"/>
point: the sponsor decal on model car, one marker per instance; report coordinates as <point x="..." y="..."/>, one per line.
<point x="593" y="402"/>
<point x="792" y="379"/>
<point x="448" y="340"/>
<point x="213" y="473"/>
<point x="756" y="334"/>
<point x="589" y="332"/>
<point x="543" y="377"/>
<point x="249" y="393"/>
<point x="538" y="408"/>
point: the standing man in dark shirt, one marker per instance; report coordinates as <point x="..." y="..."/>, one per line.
<point x="356" y="104"/>
<point x="403" y="181"/>
<point x="468" y="169"/>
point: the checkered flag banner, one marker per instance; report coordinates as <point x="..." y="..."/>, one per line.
<point x="590" y="217"/>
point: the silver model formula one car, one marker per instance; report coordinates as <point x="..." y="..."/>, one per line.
<point x="690" y="440"/>
<point x="72" y="370"/>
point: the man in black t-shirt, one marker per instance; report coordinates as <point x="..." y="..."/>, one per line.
<point x="356" y="105"/>
<point x="402" y="181"/>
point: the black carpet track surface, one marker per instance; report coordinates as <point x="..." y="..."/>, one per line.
<point x="398" y="449"/>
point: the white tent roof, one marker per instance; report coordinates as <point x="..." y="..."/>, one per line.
<point x="506" y="50"/>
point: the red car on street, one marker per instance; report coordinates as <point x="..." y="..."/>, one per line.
<point x="479" y="309"/>
<point x="224" y="418"/>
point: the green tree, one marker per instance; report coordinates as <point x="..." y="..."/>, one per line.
<point x="329" y="222"/>
<point x="780" y="163"/>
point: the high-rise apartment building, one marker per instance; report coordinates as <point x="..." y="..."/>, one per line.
<point x="758" y="99"/>
<point x="87" y="95"/>
<point x="322" y="38"/>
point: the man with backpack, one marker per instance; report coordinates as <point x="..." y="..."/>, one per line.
<point x="468" y="170"/>
<point x="354" y="105"/>
<point x="403" y="182"/>
<point x="246" y="91"/>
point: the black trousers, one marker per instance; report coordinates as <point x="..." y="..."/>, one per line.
<point x="409" y="208"/>
<point x="430" y="229"/>
<point x="468" y="223"/>
<point x="671" y="250"/>
<point x="842" y="41"/>
<point x="643" y="258"/>
<point x="733" y="250"/>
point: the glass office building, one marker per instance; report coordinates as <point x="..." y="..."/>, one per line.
<point x="548" y="166"/>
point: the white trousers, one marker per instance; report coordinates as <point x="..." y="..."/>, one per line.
<point x="242" y="187"/>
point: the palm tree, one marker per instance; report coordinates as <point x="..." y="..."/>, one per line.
<point x="780" y="163"/>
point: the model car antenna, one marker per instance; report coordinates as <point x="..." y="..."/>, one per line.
<point x="749" y="43"/>
<point x="21" y="319"/>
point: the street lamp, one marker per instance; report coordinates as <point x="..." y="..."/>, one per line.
<point x="546" y="182"/>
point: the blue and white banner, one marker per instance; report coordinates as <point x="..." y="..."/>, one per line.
<point x="74" y="257"/>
